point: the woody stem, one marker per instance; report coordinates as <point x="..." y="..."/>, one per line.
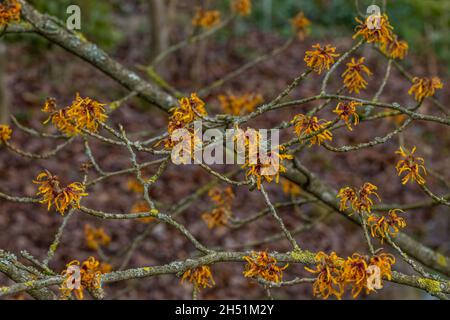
<point x="366" y="232"/>
<point x="280" y="221"/>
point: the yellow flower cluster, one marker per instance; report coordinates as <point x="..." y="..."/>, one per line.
<point x="375" y="29"/>
<point x="424" y="87"/>
<point x="353" y="77"/>
<point x="412" y="165"/>
<point x="82" y="114"/>
<point x="334" y="274"/>
<point x="301" y="25"/>
<point x="320" y="58"/>
<point x="396" y="49"/>
<point x="237" y="105"/>
<point x="389" y="224"/>
<point x="242" y="7"/>
<point x="262" y="265"/>
<point x="95" y="237"/>
<point x="347" y="110"/>
<point x="312" y="126"/>
<point x="49" y="105"/>
<point x="5" y="132"/>
<point x="329" y="276"/>
<point x="261" y="167"/>
<point x="52" y="193"/>
<point x="200" y="277"/>
<point x="206" y="18"/>
<point x="90" y="273"/>
<point x="360" y="200"/>
<point x="9" y="11"/>
<point x="189" y="109"/>
<point x="220" y="214"/>
<point x="265" y="171"/>
<point x="355" y="271"/>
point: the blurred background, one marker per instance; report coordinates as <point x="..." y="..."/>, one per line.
<point x="32" y="69"/>
<point x="424" y="24"/>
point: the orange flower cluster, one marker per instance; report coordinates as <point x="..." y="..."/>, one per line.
<point x="395" y="49"/>
<point x="329" y="276"/>
<point x="398" y="119"/>
<point x="320" y="58"/>
<point x="49" y="105"/>
<point x="95" y="237"/>
<point x="200" y="277"/>
<point x="353" y="76"/>
<point x="61" y="197"/>
<point x="237" y="105"/>
<point x="334" y="274"/>
<point x="9" y="12"/>
<point x="347" y="110"/>
<point x="206" y="18"/>
<point x="5" y="132"/>
<point x="261" y="167"/>
<point x="360" y="200"/>
<point x="242" y="7"/>
<point x="375" y="29"/>
<point x="189" y="109"/>
<point x="424" y="87"/>
<point x="290" y="188"/>
<point x="301" y="25"/>
<point x="140" y="207"/>
<point x="82" y="114"/>
<point x="262" y="265"/>
<point x="390" y="224"/>
<point x="90" y="273"/>
<point x="220" y="214"/>
<point x="268" y="171"/>
<point x="221" y="197"/>
<point x="306" y="126"/>
<point x="384" y="261"/>
<point x="135" y="186"/>
<point x="412" y="165"/>
<point x="356" y="271"/>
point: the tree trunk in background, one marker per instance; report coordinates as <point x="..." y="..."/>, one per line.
<point x="159" y="30"/>
<point x="199" y="71"/>
<point x="268" y="14"/>
<point x="4" y="104"/>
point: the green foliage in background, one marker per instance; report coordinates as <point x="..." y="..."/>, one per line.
<point x="424" y="24"/>
<point x="96" y="18"/>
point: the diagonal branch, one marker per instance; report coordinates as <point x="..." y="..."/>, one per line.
<point x="313" y="185"/>
<point x="91" y="53"/>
